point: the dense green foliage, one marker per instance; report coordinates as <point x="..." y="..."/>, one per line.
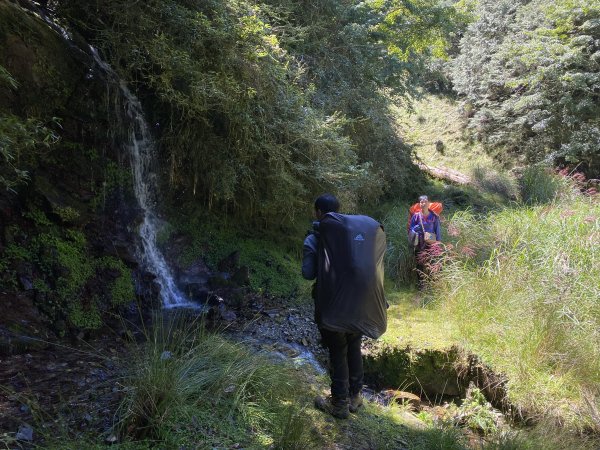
<point x="20" y="140"/>
<point x="271" y="269"/>
<point x="530" y="71"/>
<point x="260" y="106"/>
<point x="523" y="285"/>
<point x="69" y="286"/>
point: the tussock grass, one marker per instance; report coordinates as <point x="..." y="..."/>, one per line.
<point x="189" y="386"/>
<point x="538" y="184"/>
<point x="523" y="286"/>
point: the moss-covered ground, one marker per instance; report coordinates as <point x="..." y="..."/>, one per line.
<point x="413" y="323"/>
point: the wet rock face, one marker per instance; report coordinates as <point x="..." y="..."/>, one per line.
<point x="78" y="202"/>
<point x="196" y="273"/>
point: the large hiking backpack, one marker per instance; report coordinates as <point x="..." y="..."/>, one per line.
<point x="350" y="294"/>
<point x="436" y="207"/>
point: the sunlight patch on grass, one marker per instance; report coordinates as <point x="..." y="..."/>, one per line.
<point x="436" y="120"/>
<point x="412" y="324"/>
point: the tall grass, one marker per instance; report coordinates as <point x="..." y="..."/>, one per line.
<point x="539" y="185"/>
<point x="494" y="182"/>
<point x="189" y="386"/>
<point x="524" y="286"/>
<point x="399" y="257"/>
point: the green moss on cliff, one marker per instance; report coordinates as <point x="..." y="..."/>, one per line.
<point x="60" y="154"/>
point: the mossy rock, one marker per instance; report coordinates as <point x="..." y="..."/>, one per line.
<point x="38" y="58"/>
<point x="430" y="372"/>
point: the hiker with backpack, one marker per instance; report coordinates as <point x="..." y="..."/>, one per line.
<point x="424" y="234"/>
<point x="344" y="253"/>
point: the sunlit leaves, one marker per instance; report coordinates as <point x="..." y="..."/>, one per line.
<point x="265" y="104"/>
<point x="7" y="79"/>
<point x="412" y="27"/>
<point x="20" y="140"/>
<point x="530" y="65"/>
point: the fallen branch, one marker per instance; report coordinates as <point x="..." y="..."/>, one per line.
<point x="445" y="174"/>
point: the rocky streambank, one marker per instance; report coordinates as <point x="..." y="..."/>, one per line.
<point x="74" y="385"/>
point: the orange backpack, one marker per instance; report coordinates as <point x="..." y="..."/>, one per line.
<point x="436" y="207"/>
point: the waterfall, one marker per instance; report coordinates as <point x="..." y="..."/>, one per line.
<point x="141" y="149"/>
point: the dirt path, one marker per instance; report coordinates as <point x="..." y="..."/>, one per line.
<point x="61" y="388"/>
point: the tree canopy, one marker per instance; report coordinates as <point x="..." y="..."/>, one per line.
<point x="531" y="72"/>
<point x="260" y="106"/>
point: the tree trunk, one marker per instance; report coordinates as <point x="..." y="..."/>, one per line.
<point x="443" y="173"/>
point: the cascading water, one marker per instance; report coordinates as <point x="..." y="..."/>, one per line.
<point x="141" y="149"/>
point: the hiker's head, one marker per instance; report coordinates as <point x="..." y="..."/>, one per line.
<point x="326" y="203"/>
<point x="424" y="202"/>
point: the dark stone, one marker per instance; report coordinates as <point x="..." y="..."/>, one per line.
<point x="126" y="253"/>
<point x="156" y="288"/>
<point x="241" y="276"/>
<point x="25" y="433"/>
<point x="148" y="276"/>
<point x="195" y="273"/>
<point x="226" y="314"/>
<point x="229" y="263"/>
<point x="271" y="313"/>
<point x="26" y="282"/>
<point x="197" y="292"/>
<point x="220" y="280"/>
<point x="25" y="275"/>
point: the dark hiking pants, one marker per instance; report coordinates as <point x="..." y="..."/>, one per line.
<point x="345" y="362"/>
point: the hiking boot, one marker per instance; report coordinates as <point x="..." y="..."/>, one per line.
<point x="356" y="401"/>
<point x="337" y="408"/>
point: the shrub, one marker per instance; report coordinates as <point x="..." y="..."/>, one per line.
<point x="185" y="380"/>
<point x="530" y="69"/>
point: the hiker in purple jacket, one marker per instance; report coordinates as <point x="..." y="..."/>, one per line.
<point x="426" y="224"/>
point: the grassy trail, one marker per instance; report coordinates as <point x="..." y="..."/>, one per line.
<point x="519" y="279"/>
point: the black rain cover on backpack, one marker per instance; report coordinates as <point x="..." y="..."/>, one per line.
<point x="350" y="296"/>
